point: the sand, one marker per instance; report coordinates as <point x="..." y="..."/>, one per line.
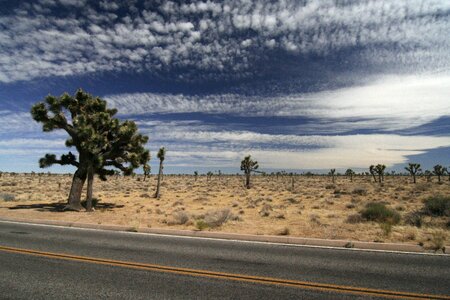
<point x="312" y="207"/>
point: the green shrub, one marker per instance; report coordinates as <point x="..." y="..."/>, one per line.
<point x="437" y="205"/>
<point x="378" y="212"/>
<point x="201" y="225"/>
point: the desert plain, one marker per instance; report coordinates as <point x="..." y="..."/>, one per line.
<point x="303" y="206"/>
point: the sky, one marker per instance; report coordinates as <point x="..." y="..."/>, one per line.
<point x="299" y="85"/>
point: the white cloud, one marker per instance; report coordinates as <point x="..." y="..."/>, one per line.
<point x="355" y="151"/>
<point x="194" y="143"/>
<point x="389" y="103"/>
<point x="401" y="33"/>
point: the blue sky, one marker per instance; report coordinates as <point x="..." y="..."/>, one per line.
<point x="299" y="85"/>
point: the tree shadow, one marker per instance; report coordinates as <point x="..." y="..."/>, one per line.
<point x="59" y="207"/>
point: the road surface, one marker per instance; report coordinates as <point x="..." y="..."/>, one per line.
<point x="47" y="262"/>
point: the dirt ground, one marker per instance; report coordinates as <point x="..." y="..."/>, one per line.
<point x="311" y="207"/>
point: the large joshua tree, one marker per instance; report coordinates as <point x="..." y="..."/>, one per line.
<point x="161" y="156"/>
<point x="248" y="166"/>
<point x="413" y="169"/>
<point x="439" y="171"/>
<point x="101" y="140"/>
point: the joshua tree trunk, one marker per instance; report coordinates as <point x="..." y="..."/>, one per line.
<point x="157" y="194"/>
<point x="247" y="180"/>
<point x="379" y="178"/>
<point x="374" y="179"/>
<point x="74" y="201"/>
<point x="414" y="178"/>
<point x="90" y="179"/>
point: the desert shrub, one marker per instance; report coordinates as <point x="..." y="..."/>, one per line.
<point x="414" y="218"/>
<point x="215" y="218"/>
<point x="360" y="190"/>
<point x="354" y="218"/>
<point x="437" y="205"/>
<point x="292" y="200"/>
<point x="7" y="197"/>
<point x="178" y="218"/>
<point x="94" y="202"/>
<point x="201" y="225"/>
<point x="265" y="211"/>
<point x="438" y="240"/>
<point x="284" y="231"/>
<point x="330" y="186"/>
<point x="386" y="228"/>
<point x="378" y="212"/>
<point x="421" y="187"/>
<point x="350" y="205"/>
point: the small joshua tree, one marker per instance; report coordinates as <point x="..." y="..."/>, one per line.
<point x="209" y="175"/>
<point x="332" y="174"/>
<point x="379" y="170"/>
<point x="439" y="171"/>
<point x="428" y="174"/>
<point x="372" y="172"/>
<point x="195" y="175"/>
<point x="161" y="156"/>
<point x="350" y="173"/>
<point x="413" y="169"/>
<point x="147" y="169"/>
<point x="101" y="140"/>
<point x="248" y="165"/>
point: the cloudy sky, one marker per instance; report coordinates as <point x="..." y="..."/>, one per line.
<point x="299" y="85"/>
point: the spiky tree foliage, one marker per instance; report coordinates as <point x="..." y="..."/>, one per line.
<point x="372" y="172"/>
<point x="147" y="169"/>
<point x="209" y="175"/>
<point x="413" y="169"/>
<point x="379" y="170"/>
<point x="248" y="166"/>
<point x="447" y="171"/>
<point x="350" y="173"/>
<point x="161" y="156"/>
<point x="332" y="173"/>
<point x="195" y="175"/>
<point x="428" y="174"/>
<point x="439" y="171"/>
<point x="101" y="140"/>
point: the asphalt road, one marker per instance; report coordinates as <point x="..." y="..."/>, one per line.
<point x="25" y="276"/>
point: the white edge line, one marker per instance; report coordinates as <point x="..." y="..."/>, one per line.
<point x="223" y="239"/>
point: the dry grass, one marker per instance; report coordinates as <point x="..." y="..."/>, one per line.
<point x="314" y="208"/>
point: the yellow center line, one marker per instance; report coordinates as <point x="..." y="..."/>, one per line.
<point x="229" y="276"/>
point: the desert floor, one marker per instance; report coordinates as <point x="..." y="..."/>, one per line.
<point x="314" y="207"/>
